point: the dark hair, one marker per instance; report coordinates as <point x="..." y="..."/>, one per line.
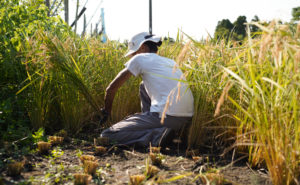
<point x="153" y="46"/>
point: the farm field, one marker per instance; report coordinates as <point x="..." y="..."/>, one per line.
<point x="119" y="163"/>
<point x="245" y="128"/>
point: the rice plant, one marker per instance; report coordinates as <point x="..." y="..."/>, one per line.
<point x="246" y="94"/>
<point x="249" y="94"/>
<point x="68" y="77"/>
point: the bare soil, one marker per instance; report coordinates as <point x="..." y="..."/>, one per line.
<point x="119" y="162"/>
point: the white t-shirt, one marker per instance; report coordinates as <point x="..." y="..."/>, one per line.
<point x="161" y="80"/>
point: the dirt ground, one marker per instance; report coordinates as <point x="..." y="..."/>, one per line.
<point x="120" y="162"/>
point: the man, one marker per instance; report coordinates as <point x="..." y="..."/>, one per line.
<point x="160" y="95"/>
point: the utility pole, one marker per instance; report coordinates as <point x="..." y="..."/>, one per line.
<point x="150" y="17"/>
<point x="47" y="2"/>
<point x="77" y="6"/>
<point x="103" y="30"/>
<point x="91" y="29"/>
<point x="66" y="11"/>
<point x="96" y="29"/>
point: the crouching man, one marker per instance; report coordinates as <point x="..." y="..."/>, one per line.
<point x="158" y="88"/>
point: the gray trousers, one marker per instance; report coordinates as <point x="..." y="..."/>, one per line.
<point x="145" y="127"/>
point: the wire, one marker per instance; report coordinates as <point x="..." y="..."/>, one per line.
<point x="56" y="8"/>
<point x="52" y="6"/>
<point x="86" y="3"/>
<point x="94" y="13"/>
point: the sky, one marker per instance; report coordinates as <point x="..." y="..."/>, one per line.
<point x="197" y="18"/>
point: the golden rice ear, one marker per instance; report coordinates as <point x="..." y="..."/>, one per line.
<point x="43" y="147"/>
<point x="15" y="169"/>
<point x="55" y="140"/>
<point x="99" y="150"/>
<point x="136" y="179"/>
<point x="82" y="179"/>
<point x="87" y="157"/>
<point x="151" y="171"/>
<point x="90" y="167"/>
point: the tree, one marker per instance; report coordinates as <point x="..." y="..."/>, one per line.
<point x="223" y="29"/>
<point x="254" y="28"/>
<point x="296" y="13"/>
<point x="240" y="27"/>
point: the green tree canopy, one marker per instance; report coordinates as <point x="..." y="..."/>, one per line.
<point x="254" y="28"/>
<point x="296" y="13"/>
<point x="240" y="27"/>
<point x="223" y="29"/>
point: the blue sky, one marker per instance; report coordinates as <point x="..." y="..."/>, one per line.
<point x="124" y="18"/>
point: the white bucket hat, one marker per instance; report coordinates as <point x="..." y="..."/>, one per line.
<point x="137" y="40"/>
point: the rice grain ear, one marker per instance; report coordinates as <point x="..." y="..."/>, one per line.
<point x="179" y="88"/>
<point x="168" y="103"/>
<point x="298" y="30"/>
<point x="182" y="55"/>
<point x="222" y="98"/>
<point x="297" y="57"/>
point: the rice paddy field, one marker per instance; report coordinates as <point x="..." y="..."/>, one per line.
<point x="246" y="109"/>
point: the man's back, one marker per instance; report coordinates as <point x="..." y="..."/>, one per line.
<point x="160" y="79"/>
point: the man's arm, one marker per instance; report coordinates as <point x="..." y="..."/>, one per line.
<point x="113" y="87"/>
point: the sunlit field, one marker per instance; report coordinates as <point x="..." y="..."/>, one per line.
<point x="246" y="92"/>
<point x="246" y="95"/>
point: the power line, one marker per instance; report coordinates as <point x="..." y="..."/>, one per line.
<point x="77" y="18"/>
<point x="94" y="12"/>
<point x="52" y="6"/>
<point x="56" y="8"/>
<point x="85" y="3"/>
